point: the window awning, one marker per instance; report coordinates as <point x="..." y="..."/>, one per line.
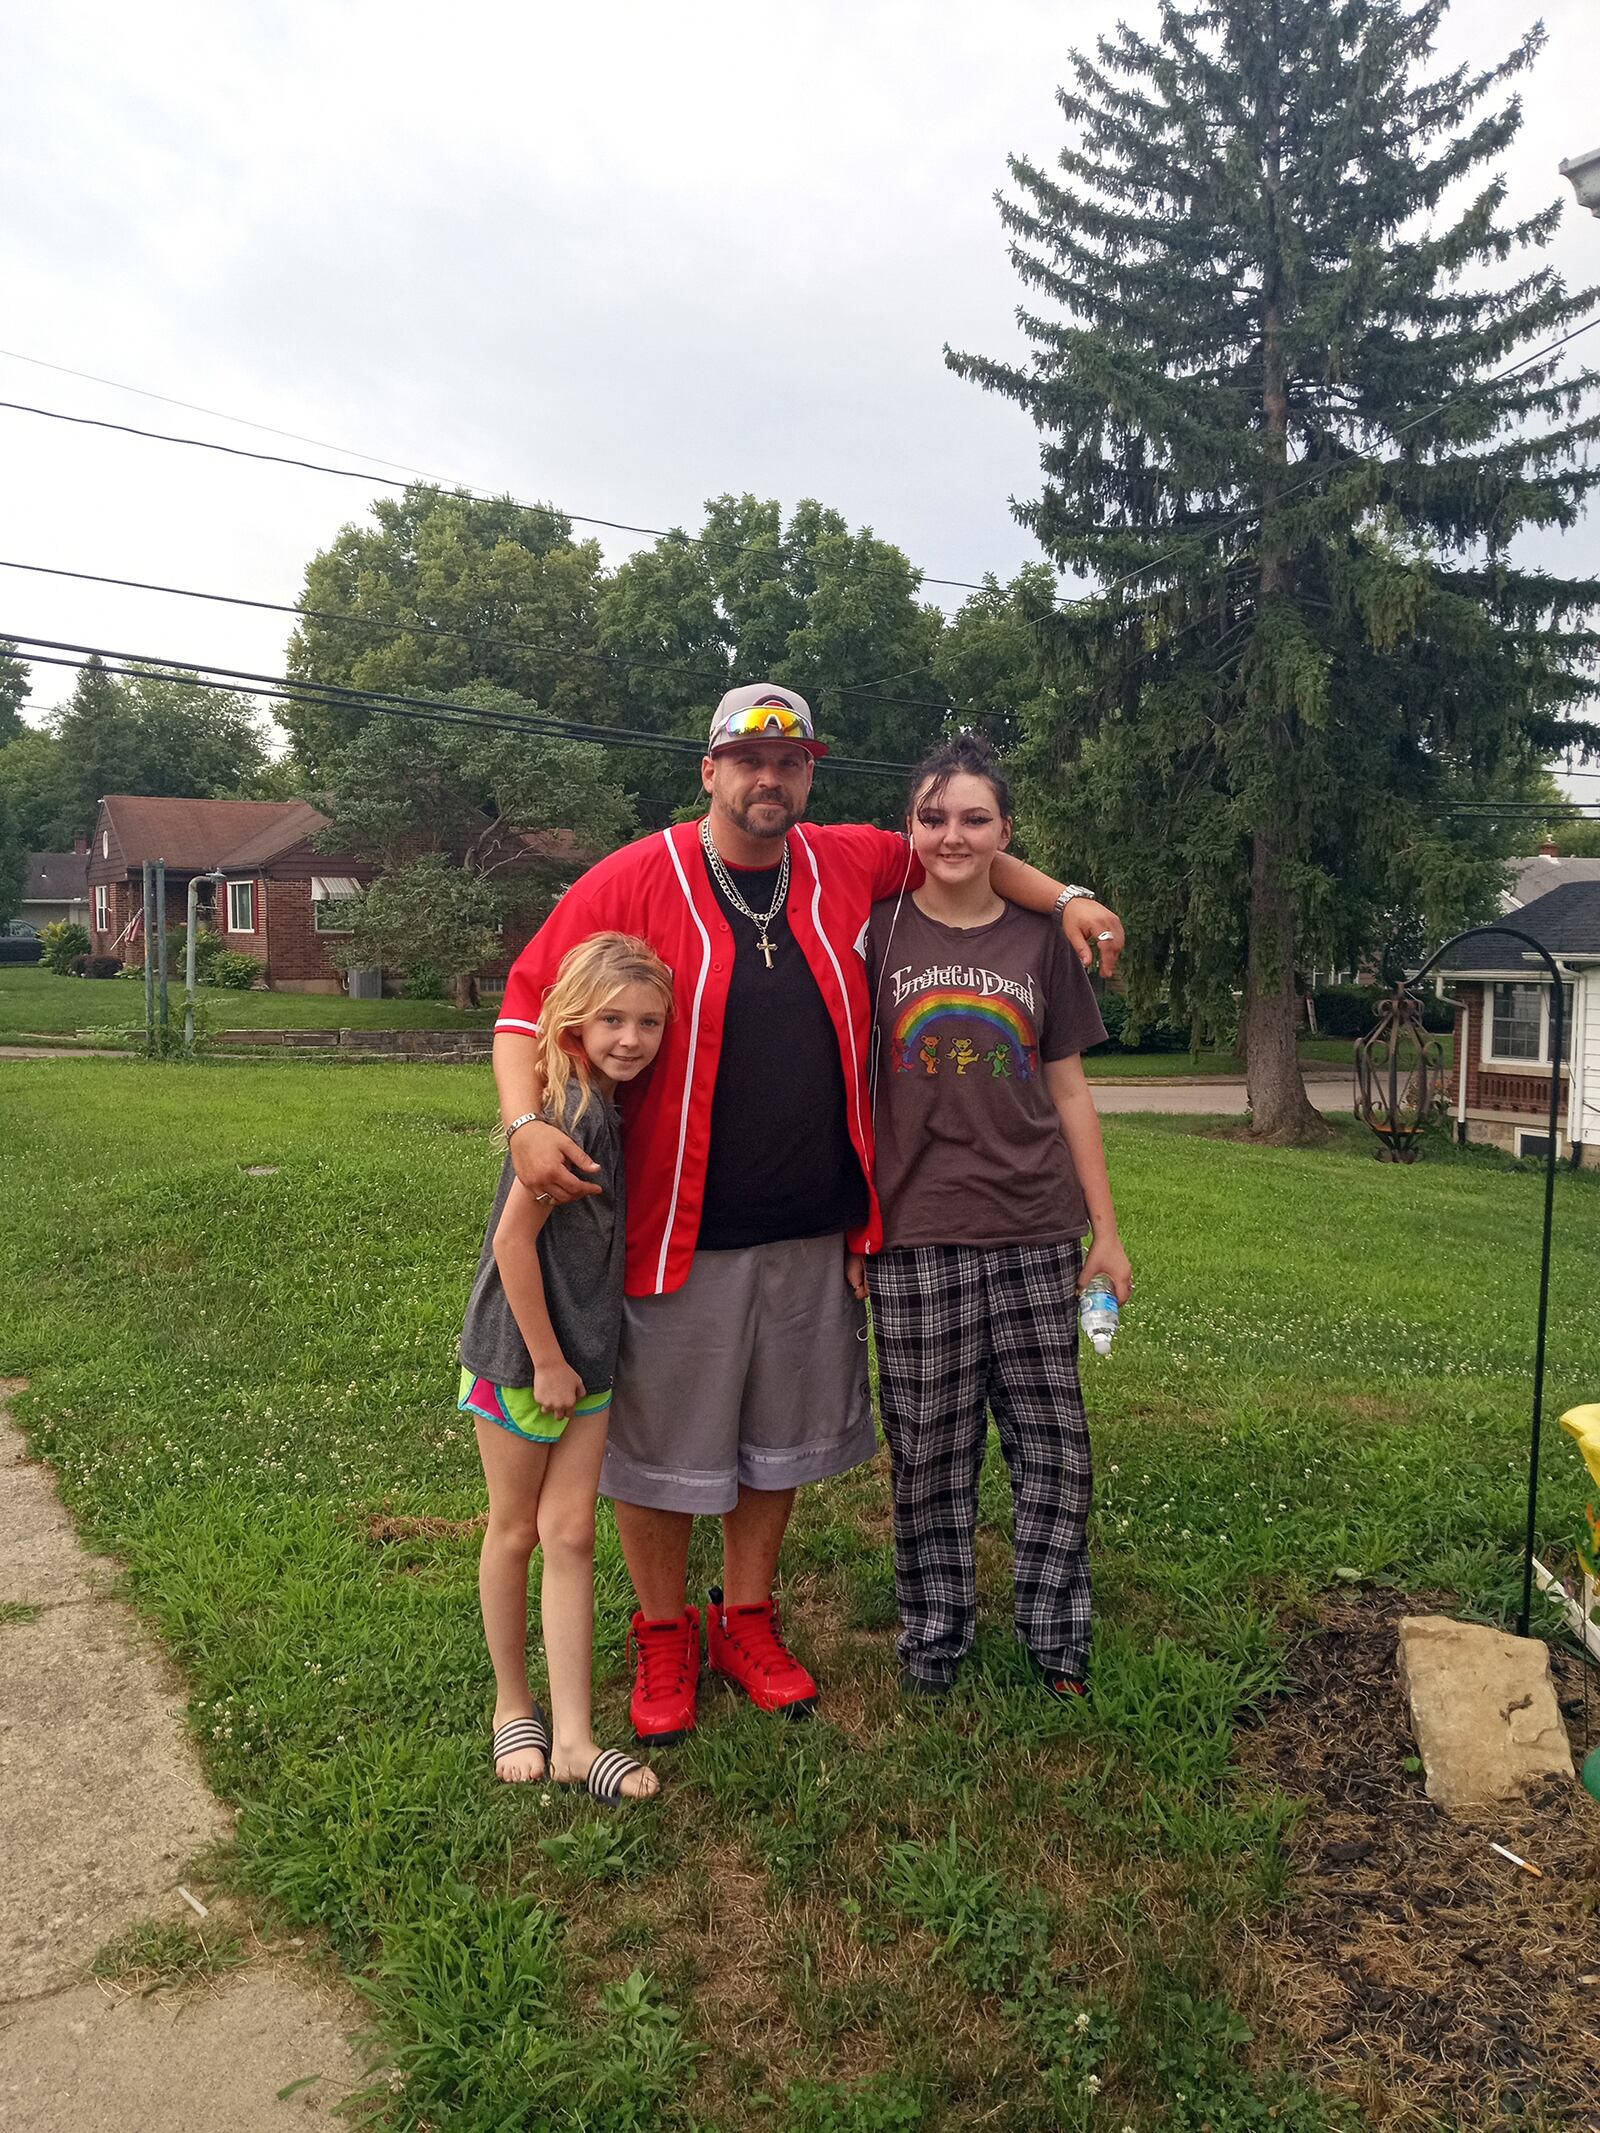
<point x="333" y="888"/>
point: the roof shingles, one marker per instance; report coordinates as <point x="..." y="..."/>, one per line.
<point x="1566" y="921"/>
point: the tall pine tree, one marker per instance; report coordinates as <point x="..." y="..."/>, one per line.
<point x="1286" y="361"/>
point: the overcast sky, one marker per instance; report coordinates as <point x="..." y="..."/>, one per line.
<point x="621" y="256"/>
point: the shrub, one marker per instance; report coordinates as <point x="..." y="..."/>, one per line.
<point x="207" y="947"/>
<point x="422" y="982"/>
<point x="19" y="949"/>
<point x="1156" y="1033"/>
<point x="1351" y="1010"/>
<point x="96" y="966"/>
<point x="61" y="942"/>
<point x="237" y="973"/>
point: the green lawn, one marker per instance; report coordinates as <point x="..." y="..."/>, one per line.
<point x="35" y="1002"/>
<point x="1003" y="1914"/>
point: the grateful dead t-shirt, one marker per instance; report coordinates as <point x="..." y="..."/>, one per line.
<point x="969" y="1146"/>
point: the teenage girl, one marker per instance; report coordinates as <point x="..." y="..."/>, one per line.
<point x="537" y="1356"/>
<point x="991" y="1172"/>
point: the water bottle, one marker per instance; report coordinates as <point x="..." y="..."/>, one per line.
<point x="1099" y="1314"/>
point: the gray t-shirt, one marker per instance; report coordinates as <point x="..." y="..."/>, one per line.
<point x="580" y="1258"/>
<point x="969" y="1143"/>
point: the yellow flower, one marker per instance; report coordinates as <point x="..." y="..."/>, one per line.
<point x="1583" y="1424"/>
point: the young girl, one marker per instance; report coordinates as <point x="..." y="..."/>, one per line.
<point x="990" y="1170"/>
<point x="537" y="1355"/>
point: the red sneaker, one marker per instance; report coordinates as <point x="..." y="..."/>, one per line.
<point x="746" y="1644"/>
<point x="663" y="1703"/>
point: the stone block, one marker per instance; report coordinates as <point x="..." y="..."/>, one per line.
<point x="1483" y="1709"/>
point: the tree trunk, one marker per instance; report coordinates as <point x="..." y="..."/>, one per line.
<point x="1280" y="1110"/>
<point x="465" y="988"/>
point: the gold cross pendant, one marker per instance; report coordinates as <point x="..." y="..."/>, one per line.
<point x="766" y="949"/>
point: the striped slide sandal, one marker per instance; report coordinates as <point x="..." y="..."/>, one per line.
<point x="523" y="1736"/>
<point x="608" y="1777"/>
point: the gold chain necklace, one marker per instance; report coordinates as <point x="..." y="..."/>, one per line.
<point x="761" y="920"/>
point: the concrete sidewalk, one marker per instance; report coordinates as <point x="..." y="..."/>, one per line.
<point x="104" y="1812"/>
<point x="1331" y="1089"/>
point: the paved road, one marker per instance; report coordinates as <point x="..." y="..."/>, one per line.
<point x="1213" y="1097"/>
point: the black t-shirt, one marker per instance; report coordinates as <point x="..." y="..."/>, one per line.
<point x="781" y="1164"/>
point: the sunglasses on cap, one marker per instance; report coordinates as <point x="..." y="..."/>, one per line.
<point x="763" y="721"/>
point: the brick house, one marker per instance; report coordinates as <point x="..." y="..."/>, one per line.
<point x="280" y="899"/>
<point x="1502" y="994"/>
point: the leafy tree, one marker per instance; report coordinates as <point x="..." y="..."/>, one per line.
<point x="33" y="784"/>
<point x="148" y="733"/>
<point x="989" y="658"/>
<point x="752" y="598"/>
<point x="1577" y="840"/>
<point x="1284" y="440"/>
<point x="13" y="864"/>
<point x="446" y="812"/>
<point x="15" y="689"/>
<point x="511" y="582"/>
<point x="427" y="912"/>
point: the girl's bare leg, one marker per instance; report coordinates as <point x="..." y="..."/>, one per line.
<point x="515" y="1471"/>
<point x="566" y="1599"/>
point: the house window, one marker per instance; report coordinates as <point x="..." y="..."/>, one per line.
<point x="241" y="907"/>
<point x="333" y="900"/>
<point x="102" y="908"/>
<point x="1519" y="1025"/>
<point x="1533" y="1144"/>
<point x="105" y="844"/>
<point x="1518" y="1014"/>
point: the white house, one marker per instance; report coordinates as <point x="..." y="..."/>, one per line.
<point x="1504" y="1036"/>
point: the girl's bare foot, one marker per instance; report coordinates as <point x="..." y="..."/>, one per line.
<point x="521" y="1745"/>
<point x="605" y="1772"/>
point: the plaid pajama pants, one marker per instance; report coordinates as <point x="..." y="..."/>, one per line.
<point x="962" y="1330"/>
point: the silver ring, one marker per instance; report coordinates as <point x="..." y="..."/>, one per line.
<point x="1104" y="936"/>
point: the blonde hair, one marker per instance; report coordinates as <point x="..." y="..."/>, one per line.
<point x="590" y="975"/>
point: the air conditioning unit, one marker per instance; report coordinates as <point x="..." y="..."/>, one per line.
<point x="364" y="984"/>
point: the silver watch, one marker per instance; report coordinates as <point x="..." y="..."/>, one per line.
<point x="1071" y="890"/>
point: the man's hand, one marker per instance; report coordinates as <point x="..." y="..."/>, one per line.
<point x="1106" y="1256"/>
<point x="855" y="1275"/>
<point x="1094" y="928"/>
<point x="551" y="1164"/>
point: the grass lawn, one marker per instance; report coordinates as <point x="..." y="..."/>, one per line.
<point x="35" y="1002"/>
<point x="1000" y="1913"/>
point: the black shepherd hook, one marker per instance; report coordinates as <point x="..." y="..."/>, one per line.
<point x="1557" y="1047"/>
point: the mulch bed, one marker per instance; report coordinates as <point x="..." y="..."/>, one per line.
<point x="1417" y="1970"/>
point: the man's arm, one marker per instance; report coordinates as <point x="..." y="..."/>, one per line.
<point x="1088" y="925"/>
<point x="1080" y="1129"/>
<point x="547" y="1161"/>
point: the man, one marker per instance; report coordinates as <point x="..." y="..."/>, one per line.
<point x="743" y="1369"/>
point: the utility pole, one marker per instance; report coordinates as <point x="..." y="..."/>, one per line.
<point x="192" y="920"/>
<point x="148" y="885"/>
<point x="161" y="939"/>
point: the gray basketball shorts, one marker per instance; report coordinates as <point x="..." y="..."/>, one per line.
<point x="753" y="1373"/>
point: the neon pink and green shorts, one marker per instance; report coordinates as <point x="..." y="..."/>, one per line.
<point x="514" y="1408"/>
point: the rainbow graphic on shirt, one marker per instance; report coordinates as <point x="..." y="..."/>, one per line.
<point x="1004" y="1036"/>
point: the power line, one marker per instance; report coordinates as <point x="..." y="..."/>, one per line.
<point x="388" y="481"/>
<point x="219" y="414"/>
<point x="335" y="696"/>
<point x="723" y="678"/>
